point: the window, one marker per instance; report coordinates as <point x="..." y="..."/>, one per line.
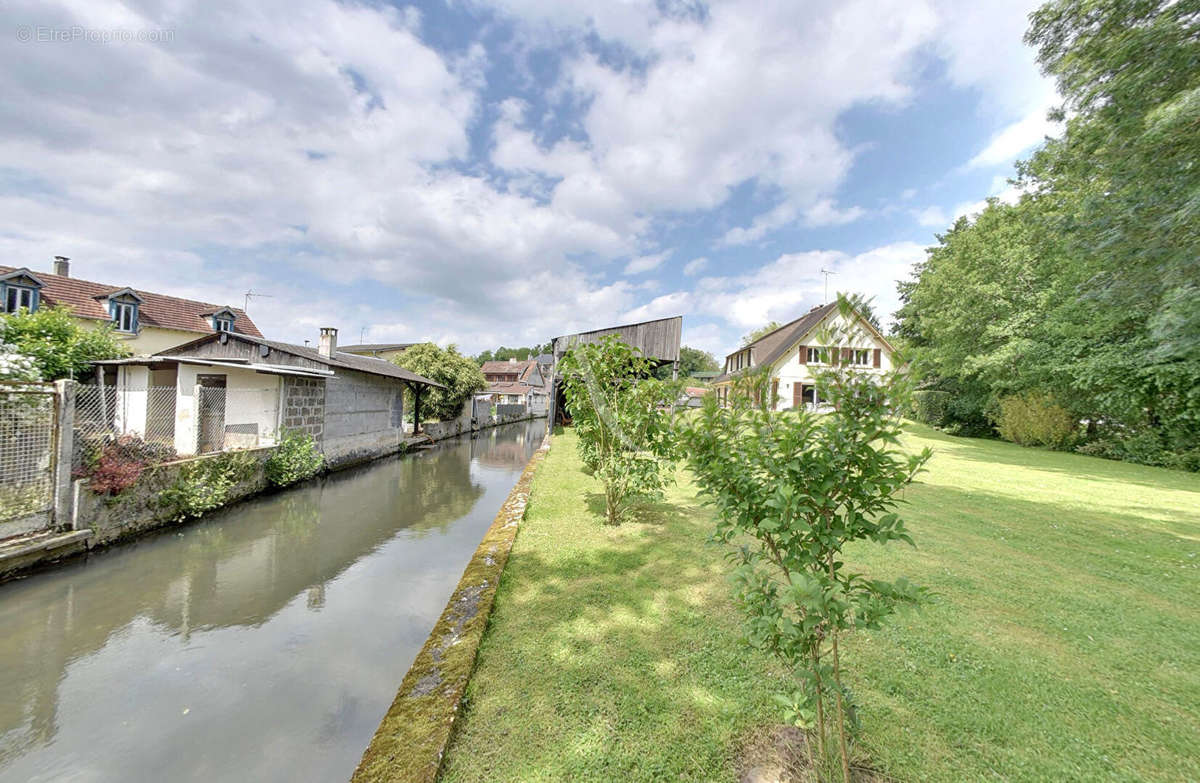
<point x="16" y="297"/>
<point x="223" y="324"/>
<point x="814" y="355"/>
<point x="124" y="316"/>
<point x="861" y="356"/>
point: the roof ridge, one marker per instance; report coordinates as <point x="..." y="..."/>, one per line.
<point x="122" y="287"/>
<point x="793" y="322"/>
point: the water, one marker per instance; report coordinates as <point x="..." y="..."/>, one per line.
<point x="265" y="643"/>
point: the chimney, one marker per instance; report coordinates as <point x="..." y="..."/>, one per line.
<point x="328" y="344"/>
<point x="62" y="266"/>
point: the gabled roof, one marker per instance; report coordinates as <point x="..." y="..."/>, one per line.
<point x="520" y="367"/>
<point x="86" y="300"/>
<point x="767" y="349"/>
<point x="511" y="387"/>
<point x="342" y="359"/>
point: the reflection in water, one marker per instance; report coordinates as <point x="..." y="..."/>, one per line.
<point x="264" y="643"/>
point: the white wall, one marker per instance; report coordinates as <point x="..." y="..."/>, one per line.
<point x="130" y="414"/>
<point x="250" y="398"/>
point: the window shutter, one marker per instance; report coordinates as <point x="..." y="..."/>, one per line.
<point x="847" y="357"/>
<point x="833" y="354"/>
<point x="878" y="354"/>
<point x="804" y="354"/>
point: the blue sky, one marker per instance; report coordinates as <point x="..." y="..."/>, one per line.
<point x="490" y="173"/>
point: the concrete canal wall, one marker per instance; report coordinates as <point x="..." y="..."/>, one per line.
<point x="413" y="735"/>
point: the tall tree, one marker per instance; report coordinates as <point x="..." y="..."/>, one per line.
<point x="459" y="374"/>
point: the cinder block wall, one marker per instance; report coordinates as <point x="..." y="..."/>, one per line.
<point x="364" y="417"/>
<point x="304" y="406"/>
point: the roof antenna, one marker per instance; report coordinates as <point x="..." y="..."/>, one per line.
<point x="252" y="295"/>
<point x="361" y="334"/>
<point x="827" y="273"/>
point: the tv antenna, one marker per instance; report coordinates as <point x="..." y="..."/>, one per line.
<point x="252" y="295"/>
<point x="827" y="273"/>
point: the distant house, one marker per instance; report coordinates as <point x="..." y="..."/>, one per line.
<point x="705" y="375"/>
<point x="516" y="382"/>
<point x="793" y="353"/>
<point x="149" y="322"/>
<point x="233" y="390"/>
<point x="386" y="351"/>
<point x="692" y="397"/>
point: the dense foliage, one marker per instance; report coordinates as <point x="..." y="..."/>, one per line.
<point x="296" y="458"/>
<point x="503" y="354"/>
<point x="620" y="412"/>
<point x="791" y="489"/>
<point x="691" y="360"/>
<point x="203" y="485"/>
<point x="56" y="344"/>
<point x="459" y="374"/>
<point x="1088" y="290"/>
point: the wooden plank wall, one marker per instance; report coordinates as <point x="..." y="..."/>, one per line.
<point x="656" y="339"/>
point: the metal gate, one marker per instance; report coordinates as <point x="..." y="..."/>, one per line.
<point x="28" y="417"/>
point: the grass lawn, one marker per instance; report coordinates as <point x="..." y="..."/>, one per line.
<point x="1063" y="642"/>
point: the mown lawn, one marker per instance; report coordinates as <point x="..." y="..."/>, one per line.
<point x="1063" y="642"/>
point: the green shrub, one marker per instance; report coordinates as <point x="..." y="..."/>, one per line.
<point x="1035" y="419"/>
<point x="204" y="484"/>
<point x="295" y="459"/>
<point x="931" y="407"/>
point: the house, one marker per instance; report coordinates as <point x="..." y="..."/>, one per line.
<point x="692" y="397"/>
<point x="516" y="382"/>
<point x="234" y="390"/>
<point x="386" y="351"/>
<point x="147" y="321"/>
<point x="796" y="351"/>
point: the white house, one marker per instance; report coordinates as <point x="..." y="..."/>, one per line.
<point x="797" y="351"/>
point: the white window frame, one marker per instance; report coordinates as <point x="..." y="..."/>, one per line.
<point x="21" y="292"/>
<point x="860" y="353"/>
<point x="120" y="311"/>
<point x="813" y="354"/>
<point x="223" y="324"/>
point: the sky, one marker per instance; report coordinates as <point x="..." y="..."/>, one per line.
<point x="498" y="173"/>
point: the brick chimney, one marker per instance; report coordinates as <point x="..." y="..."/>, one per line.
<point x="62" y="266"/>
<point x="328" y="344"/>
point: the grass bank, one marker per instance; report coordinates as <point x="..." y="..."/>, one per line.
<point x="1063" y="642"/>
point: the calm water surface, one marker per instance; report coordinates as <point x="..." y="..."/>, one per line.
<point x="264" y="643"/>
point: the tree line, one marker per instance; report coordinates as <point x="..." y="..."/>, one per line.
<point x="1081" y="302"/>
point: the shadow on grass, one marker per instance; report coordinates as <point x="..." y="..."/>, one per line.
<point x="646" y="512"/>
<point x="1070" y="464"/>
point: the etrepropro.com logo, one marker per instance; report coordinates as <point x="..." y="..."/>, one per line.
<point x="27" y="33"/>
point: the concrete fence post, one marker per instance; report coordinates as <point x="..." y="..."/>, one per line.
<point x="64" y="446"/>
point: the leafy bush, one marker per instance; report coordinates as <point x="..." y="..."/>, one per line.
<point x="621" y="414"/>
<point x="791" y="489"/>
<point x="57" y="345"/>
<point x="114" y="466"/>
<point x="459" y="374"/>
<point x="204" y="484"/>
<point x="931" y="407"/>
<point x="1143" y="447"/>
<point x="295" y="459"/>
<point x="1035" y="419"/>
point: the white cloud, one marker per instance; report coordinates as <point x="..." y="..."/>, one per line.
<point x="642" y="264"/>
<point x="743" y="93"/>
<point x="1022" y="135"/>
<point x="695" y="266"/>
<point x="932" y="217"/>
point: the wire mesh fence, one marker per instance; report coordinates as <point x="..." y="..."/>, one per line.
<point x="198" y="420"/>
<point x="26" y="450"/>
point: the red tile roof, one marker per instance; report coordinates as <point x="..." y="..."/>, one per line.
<point x="160" y="310"/>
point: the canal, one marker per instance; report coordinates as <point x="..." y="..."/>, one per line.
<point x="263" y="643"/>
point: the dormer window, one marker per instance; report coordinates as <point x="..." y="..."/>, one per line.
<point x="124" y="316"/>
<point x="20" y="289"/>
<point x="123" y="310"/>
<point x="222" y="320"/>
